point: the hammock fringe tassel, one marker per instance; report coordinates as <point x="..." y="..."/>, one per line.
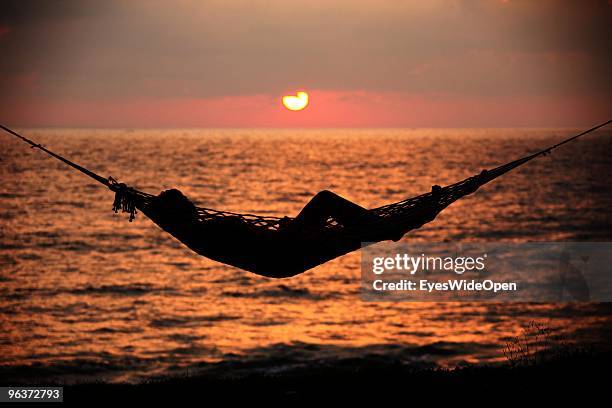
<point x="125" y="200"/>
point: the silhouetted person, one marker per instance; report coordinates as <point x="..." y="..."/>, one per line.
<point x="315" y="214"/>
<point x="297" y="244"/>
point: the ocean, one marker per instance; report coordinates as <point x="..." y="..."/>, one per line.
<point x="86" y="295"/>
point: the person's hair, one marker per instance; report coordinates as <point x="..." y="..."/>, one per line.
<point x="175" y="201"/>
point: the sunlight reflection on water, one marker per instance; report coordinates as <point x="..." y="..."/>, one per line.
<point x="82" y="287"/>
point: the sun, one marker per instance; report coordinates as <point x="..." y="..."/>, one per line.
<point x="296" y="102"/>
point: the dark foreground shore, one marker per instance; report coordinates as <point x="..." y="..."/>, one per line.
<point x="579" y="373"/>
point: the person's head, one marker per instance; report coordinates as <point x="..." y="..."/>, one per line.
<point x="176" y="202"/>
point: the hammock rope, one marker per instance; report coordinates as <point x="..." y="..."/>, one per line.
<point x="127" y="199"/>
<point x="325" y="243"/>
<point x="82" y="169"/>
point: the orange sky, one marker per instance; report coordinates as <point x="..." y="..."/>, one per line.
<point x="438" y="63"/>
<point x="326" y="109"/>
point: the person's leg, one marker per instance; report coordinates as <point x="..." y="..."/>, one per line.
<point x="326" y="204"/>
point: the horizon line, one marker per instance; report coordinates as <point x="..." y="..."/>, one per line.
<point x="133" y="128"/>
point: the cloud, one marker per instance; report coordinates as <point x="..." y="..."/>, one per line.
<point x="116" y="50"/>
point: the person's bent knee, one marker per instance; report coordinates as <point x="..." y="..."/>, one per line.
<point x="325" y="194"/>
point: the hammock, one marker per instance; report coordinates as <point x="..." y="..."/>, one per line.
<point x="265" y="245"/>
